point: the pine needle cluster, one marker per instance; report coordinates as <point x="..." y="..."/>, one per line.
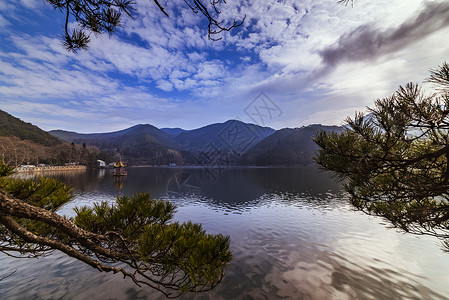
<point x="136" y="236"/>
<point x="394" y="160"/>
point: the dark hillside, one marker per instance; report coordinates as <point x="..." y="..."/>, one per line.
<point x="13" y="127"/>
<point x="287" y="147"/>
<point x="140" y="144"/>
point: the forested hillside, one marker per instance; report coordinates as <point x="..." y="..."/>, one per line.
<point x="24" y="143"/>
<point x="13" y="127"/>
<point x="287" y="147"/>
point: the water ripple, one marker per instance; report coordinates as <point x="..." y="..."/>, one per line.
<point x="290" y="240"/>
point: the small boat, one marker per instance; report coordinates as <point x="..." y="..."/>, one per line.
<point x="119" y="169"/>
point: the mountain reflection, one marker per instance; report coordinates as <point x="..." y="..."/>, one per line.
<point x="234" y="187"/>
<point x="293" y="236"/>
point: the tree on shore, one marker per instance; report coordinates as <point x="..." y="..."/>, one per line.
<point x="136" y="232"/>
<point x="394" y="160"/>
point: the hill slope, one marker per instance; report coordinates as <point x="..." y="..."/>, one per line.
<point x="13" y="127"/>
<point x="287" y="147"/>
<point x="142" y="143"/>
<point x="24" y="143"/>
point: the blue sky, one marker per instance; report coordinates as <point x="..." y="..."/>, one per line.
<point x="315" y="62"/>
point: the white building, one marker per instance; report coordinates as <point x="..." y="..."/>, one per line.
<point x="101" y="164"/>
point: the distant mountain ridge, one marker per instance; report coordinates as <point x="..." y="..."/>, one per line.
<point x="240" y="142"/>
<point x="141" y="143"/>
<point x="173" y="131"/>
<point x="234" y="141"/>
<point x="232" y="136"/>
<point x="146" y="144"/>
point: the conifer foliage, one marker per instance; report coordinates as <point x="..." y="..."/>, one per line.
<point x="395" y="159"/>
<point x="135" y="236"/>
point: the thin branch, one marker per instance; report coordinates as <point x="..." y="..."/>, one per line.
<point x="161" y="8"/>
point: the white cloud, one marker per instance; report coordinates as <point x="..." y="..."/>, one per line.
<point x="165" y="85"/>
<point x="161" y="67"/>
<point x="32" y="4"/>
<point x="4" y="22"/>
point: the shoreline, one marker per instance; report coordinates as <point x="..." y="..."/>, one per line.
<point x="221" y="166"/>
<point x="50" y="168"/>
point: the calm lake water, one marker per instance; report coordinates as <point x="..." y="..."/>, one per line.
<point x="293" y="236"/>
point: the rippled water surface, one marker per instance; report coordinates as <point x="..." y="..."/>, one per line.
<point x="293" y="236"/>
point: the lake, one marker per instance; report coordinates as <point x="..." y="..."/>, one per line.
<point x="293" y="236"/>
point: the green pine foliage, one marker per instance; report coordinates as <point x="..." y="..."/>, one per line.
<point x="394" y="161"/>
<point x="185" y="254"/>
<point x="127" y="216"/>
<point x="47" y="193"/>
<point x="136" y="231"/>
<point x="6" y="170"/>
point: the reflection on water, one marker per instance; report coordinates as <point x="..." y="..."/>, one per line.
<point x="119" y="182"/>
<point x="66" y="173"/>
<point x="292" y="235"/>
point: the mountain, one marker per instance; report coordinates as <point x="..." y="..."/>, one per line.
<point x="24" y="143"/>
<point x="239" y="142"/>
<point x="173" y="131"/>
<point x="233" y="140"/>
<point x="230" y="136"/>
<point x="117" y="138"/>
<point x="287" y="146"/>
<point x="147" y="144"/>
<point x="66" y="136"/>
<point x="13" y="127"/>
<point x="71" y="136"/>
<point x="142" y="143"/>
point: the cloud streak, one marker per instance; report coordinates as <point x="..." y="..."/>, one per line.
<point x="368" y="43"/>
